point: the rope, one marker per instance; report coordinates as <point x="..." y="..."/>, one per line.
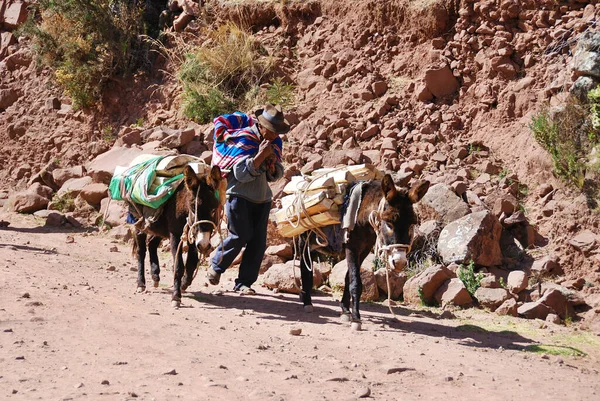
<point x="382" y="251"/>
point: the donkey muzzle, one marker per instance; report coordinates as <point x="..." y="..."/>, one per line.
<point x="203" y="242"/>
<point x="398" y="261"/>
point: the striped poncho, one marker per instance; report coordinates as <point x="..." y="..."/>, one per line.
<point x="236" y="137"/>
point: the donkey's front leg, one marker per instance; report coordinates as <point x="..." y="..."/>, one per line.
<point x="154" y="264"/>
<point x="178" y="268"/>
<point x="191" y="263"/>
<point x="345" y="303"/>
<point x="140" y="243"/>
<point x="355" y="287"/>
<point x="306" y="276"/>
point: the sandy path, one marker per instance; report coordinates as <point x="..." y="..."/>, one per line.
<point x="83" y="324"/>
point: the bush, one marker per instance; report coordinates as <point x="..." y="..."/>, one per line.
<point x="87" y="42"/>
<point x="560" y="135"/>
<point x="225" y="73"/>
<point x="466" y="274"/>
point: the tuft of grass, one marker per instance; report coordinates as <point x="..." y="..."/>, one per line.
<point x="467" y="275"/>
<point x="218" y="74"/>
<point x="86" y="43"/>
<point x="558" y="350"/>
<point x="65" y="203"/>
<point x="565" y="135"/>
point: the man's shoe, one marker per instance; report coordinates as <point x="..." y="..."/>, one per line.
<point x="213" y="276"/>
<point x="245" y="290"/>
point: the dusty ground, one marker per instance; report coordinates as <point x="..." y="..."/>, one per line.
<point x="72" y="328"/>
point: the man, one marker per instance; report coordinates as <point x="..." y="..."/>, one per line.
<point x="250" y="152"/>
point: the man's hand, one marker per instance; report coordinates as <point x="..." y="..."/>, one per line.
<point x="265" y="150"/>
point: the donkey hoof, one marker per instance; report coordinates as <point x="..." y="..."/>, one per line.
<point x="141" y="289"/>
<point x="175" y="303"/>
<point x="356" y="326"/>
<point x="345" y="317"/>
<point x="156" y="282"/>
<point x="308" y="309"/>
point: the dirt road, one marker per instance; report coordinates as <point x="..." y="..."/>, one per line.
<point x="73" y="328"/>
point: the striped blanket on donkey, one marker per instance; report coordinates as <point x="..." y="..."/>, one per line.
<point x="151" y="180"/>
<point x="236" y="137"/>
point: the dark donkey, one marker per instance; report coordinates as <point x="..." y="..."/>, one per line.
<point x="385" y="217"/>
<point x="194" y="207"/>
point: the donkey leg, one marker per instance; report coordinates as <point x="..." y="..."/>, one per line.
<point x="190" y="268"/>
<point x="345" y="303"/>
<point x="140" y="247"/>
<point x="154" y="264"/>
<point x="355" y="287"/>
<point x="178" y="268"/>
<point x="306" y="275"/>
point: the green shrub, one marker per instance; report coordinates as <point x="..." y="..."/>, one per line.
<point x="279" y="92"/>
<point x="86" y="42"/>
<point x="559" y="136"/>
<point x="466" y="274"/>
<point x="224" y="74"/>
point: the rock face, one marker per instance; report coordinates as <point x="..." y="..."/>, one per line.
<point x="474" y="237"/>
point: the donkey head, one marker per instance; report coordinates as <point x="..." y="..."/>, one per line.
<point x="204" y="207"/>
<point x="397" y="218"/>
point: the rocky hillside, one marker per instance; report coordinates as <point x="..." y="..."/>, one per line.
<point x="436" y="89"/>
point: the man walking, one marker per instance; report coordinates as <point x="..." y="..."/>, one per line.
<point x="249" y="151"/>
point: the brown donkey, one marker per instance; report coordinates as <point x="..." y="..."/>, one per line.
<point x="385" y="219"/>
<point x="193" y="208"/>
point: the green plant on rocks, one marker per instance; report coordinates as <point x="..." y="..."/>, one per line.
<point x="471" y="280"/>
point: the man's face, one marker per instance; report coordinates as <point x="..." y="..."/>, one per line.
<point x="268" y="134"/>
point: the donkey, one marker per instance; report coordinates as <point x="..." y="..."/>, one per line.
<point x="385" y="217"/>
<point x="192" y="212"/>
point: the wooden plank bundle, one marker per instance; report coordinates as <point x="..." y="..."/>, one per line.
<point x="313" y="201"/>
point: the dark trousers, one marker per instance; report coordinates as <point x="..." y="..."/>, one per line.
<point x="247" y="223"/>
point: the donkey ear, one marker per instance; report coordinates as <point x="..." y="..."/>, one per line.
<point x="388" y="187"/>
<point x="215" y="176"/>
<point x="190" y="178"/>
<point x="418" y="190"/>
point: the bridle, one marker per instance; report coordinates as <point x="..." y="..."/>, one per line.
<point x="382" y="251"/>
<point x="190" y="232"/>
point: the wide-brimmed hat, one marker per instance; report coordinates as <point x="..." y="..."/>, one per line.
<point x="271" y="117"/>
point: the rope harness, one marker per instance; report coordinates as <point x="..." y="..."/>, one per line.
<point x="385" y="252"/>
<point x="190" y="232"/>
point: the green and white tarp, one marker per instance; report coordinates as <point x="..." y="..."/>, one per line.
<point x="152" y="181"/>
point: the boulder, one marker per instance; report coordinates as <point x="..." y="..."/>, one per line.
<point x="453" y="292"/>
<point x="101" y="169"/>
<point x="286" y="277"/>
<point x="7" y="98"/>
<point x="558" y="302"/>
<point x="533" y="310"/>
<point x="94" y="193"/>
<point x="585" y="242"/>
<point x="441" y="82"/>
<point x="27" y="202"/>
<point x="491" y="298"/>
<point x="73" y="186"/>
<point x="444" y="201"/>
<point x="282" y="250"/>
<point x="397" y="281"/>
<point x="474" y="237"/>
<point x="517" y="281"/>
<point x="508" y="308"/>
<point x="423" y="286"/>
<point x="62" y="175"/>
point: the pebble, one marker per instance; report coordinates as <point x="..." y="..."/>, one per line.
<point x="25" y="295"/>
<point x="449" y="378"/>
<point x="362" y="392"/>
<point x="113" y="249"/>
<point x="296" y="332"/>
<point x="105" y="382"/>
<point x="170" y="372"/>
<point x="111" y="268"/>
<point x="69" y="239"/>
<point x="79" y="385"/>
